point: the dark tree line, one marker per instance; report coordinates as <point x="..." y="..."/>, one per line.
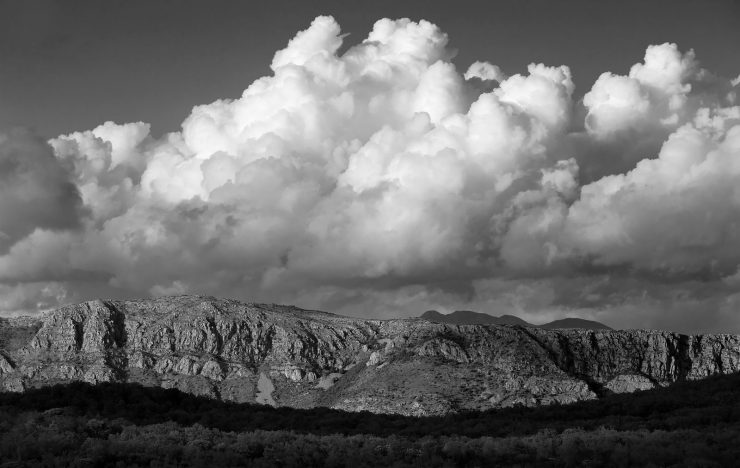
<point x="688" y="424"/>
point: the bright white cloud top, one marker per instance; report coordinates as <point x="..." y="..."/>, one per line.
<point x="385" y="180"/>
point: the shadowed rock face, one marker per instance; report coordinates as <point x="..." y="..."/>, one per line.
<point x="236" y="351"/>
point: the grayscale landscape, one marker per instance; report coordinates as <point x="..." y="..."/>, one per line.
<point x="359" y="234"/>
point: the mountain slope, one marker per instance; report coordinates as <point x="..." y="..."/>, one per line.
<point x="469" y="317"/>
<point x="242" y="352"/>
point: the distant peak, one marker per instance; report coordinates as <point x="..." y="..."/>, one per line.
<point x="470" y="317"/>
<point x="572" y="322"/>
<point x="431" y="314"/>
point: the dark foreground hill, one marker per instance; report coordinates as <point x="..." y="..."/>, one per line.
<point x="285" y="356"/>
<point x="113" y="424"/>
<point x="469" y="317"/>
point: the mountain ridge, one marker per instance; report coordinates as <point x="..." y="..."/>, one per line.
<point x="245" y="352"/>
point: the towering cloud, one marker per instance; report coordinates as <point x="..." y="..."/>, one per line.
<point x="382" y="179"/>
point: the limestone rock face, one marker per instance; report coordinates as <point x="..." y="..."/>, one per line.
<point x="236" y="351"/>
<point x="661" y="357"/>
<point x="626" y="383"/>
<point x="5" y="366"/>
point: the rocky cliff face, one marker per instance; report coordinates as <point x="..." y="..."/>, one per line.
<point x="287" y="356"/>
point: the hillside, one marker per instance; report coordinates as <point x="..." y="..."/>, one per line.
<point x="286" y="356"/>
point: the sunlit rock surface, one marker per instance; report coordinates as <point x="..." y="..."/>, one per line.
<point x="287" y="356"/>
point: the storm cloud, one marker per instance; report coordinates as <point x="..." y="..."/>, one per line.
<point x="382" y="181"/>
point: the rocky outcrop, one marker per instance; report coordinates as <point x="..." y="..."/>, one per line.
<point x="288" y="356"/>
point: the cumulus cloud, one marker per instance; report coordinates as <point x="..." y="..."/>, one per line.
<point x="35" y="190"/>
<point x="381" y="180"/>
<point x="484" y="71"/>
<point x="677" y="214"/>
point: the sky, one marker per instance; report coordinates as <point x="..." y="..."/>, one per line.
<point x="376" y="159"/>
